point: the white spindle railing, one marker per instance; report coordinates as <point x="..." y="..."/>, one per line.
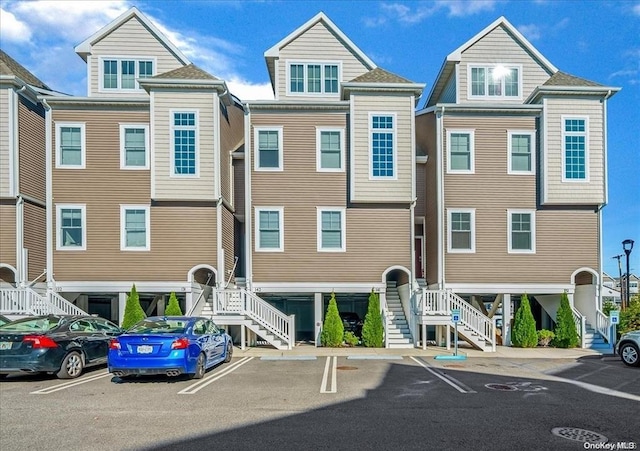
<point x="384" y="311"/>
<point x="25" y="301"/>
<point x="58" y="304"/>
<point x="581" y="326"/>
<point x="245" y="302"/>
<point x="435" y="302"/>
<point x="603" y="326"/>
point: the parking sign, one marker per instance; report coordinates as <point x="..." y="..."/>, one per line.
<point x="455" y="315"/>
<point x="614" y="316"/>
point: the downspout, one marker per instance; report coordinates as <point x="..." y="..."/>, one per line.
<point x="218" y="195"/>
<point x="440" y="195"/>
<point x="49" y="193"/>
<point x="412" y="247"/>
<point x="14" y="180"/>
<point x="606" y="197"/>
<point x="248" y="248"/>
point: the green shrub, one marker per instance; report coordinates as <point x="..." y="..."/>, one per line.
<point x="630" y="317"/>
<point x="350" y="339"/>
<point x="332" y="329"/>
<point x="544" y="337"/>
<point x="372" y="329"/>
<point x="566" y="332"/>
<point x="133" y="312"/>
<point x="173" y="309"/>
<point x="524" y="326"/>
<point x="608" y="306"/>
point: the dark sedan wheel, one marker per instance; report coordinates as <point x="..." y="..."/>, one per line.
<point x="72" y="366"/>
<point x="629" y="354"/>
<point x="200" y="368"/>
<point x="229" y="353"/>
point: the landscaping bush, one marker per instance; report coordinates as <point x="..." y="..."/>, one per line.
<point x="332" y="329"/>
<point x="630" y="317"/>
<point x="350" y="339"/>
<point x="608" y="306"/>
<point x="373" y="330"/>
<point x="566" y="333"/>
<point x="524" y="326"/>
<point x="544" y="337"/>
<point x="133" y="312"/>
<point x="173" y="309"/>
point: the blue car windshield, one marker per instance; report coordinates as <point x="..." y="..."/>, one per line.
<point x="165" y="326"/>
<point x="31" y="324"/>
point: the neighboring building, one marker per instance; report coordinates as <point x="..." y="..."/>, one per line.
<point x="516" y="177"/>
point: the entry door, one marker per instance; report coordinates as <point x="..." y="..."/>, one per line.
<point x="419" y="268"/>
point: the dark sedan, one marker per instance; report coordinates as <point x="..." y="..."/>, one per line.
<point x="56" y="344"/>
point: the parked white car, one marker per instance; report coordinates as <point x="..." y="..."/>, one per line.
<point x="629" y="348"/>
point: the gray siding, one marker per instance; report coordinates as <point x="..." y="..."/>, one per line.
<point x="6" y="96"/>
<point x="35" y="239"/>
<point x="8" y="234"/>
<point x="31" y="138"/>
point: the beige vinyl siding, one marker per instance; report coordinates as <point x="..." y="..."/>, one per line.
<point x="8" y="234"/>
<point x="426" y="138"/>
<point x="184" y="187"/>
<point x="500" y="47"/>
<point x="6" y="96"/>
<point x="382" y="190"/>
<point x="31" y="136"/>
<point x="35" y="239"/>
<point x="231" y="135"/>
<point x="421" y="189"/>
<point x="227" y="242"/>
<point x="131" y="39"/>
<point x="375" y="240"/>
<point x="317" y="44"/>
<point x="449" y="92"/>
<point x="238" y="186"/>
<point x="589" y="192"/>
<point x="565" y="241"/>
<point x="181" y="238"/>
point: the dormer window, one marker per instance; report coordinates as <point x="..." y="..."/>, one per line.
<point x="120" y="73"/>
<point x="312" y="78"/>
<point x="499" y="81"/>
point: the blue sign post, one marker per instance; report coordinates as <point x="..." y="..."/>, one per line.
<point x="614" y="319"/>
<point x="455" y="319"/>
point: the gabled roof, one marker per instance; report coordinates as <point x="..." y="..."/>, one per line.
<point x="84" y="48"/>
<point x="274" y="51"/>
<point x="379" y="75"/>
<point x="190" y="72"/>
<point x="454" y="57"/>
<point x="564" y="79"/>
<point x="12" y="68"/>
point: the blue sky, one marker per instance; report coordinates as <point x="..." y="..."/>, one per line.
<point x="596" y="40"/>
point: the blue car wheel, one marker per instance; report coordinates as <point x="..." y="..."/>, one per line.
<point x="228" y="353"/>
<point x="200" y="367"/>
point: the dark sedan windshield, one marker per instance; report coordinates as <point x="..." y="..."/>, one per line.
<point x="166" y="326"/>
<point x="31" y="324"/>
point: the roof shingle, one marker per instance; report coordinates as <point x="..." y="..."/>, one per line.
<point x="9" y="66"/>
<point x="189" y="72"/>
<point x="379" y="75"/>
<point x="564" y="79"/>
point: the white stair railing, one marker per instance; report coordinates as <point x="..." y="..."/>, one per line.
<point x="603" y="325"/>
<point x="384" y="311"/>
<point x="581" y="326"/>
<point x="18" y="301"/>
<point x="60" y="305"/>
<point x="473" y="319"/>
<point x="435" y="302"/>
<point x="244" y="302"/>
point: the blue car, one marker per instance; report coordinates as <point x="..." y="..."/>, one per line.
<point x="169" y="345"/>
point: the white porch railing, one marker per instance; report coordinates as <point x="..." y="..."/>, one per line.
<point x="25" y="301"/>
<point x="603" y="326"/>
<point x="441" y="302"/>
<point x="581" y="326"/>
<point x="244" y="302"/>
<point x="58" y="304"/>
<point x="384" y="311"/>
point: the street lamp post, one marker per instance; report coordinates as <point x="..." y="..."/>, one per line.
<point x="620" y="277"/>
<point x="627" y="245"/>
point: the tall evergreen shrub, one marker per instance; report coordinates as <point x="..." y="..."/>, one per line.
<point x="373" y="329"/>
<point x="173" y="308"/>
<point x="524" y="333"/>
<point x="133" y="312"/>
<point x="566" y="332"/>
<point x="630" y="317"/>
<point x="332" y="329"/>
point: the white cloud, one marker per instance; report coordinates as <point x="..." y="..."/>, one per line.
<point x="532" y="32"/>
<point x="246" y="90"/>
<point x="459" y="8"/>
<point x="13" y="29"/>
<point x="409" y="15"/>
<point x="636" y="9"/>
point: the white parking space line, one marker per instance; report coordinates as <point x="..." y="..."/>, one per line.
<point x="462" y="388"/>
<point x="69" y="384"/>
<point x="333" y="369"/>
<point x="194" y="388"/>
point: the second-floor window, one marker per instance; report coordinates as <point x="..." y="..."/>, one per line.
<point x="574" y="131"/>
<point x="121" y="74"/>
<point x="185" y="144"/>
<point x="331" y="230"/>
<point x="329" y="147"/>
<point x="521" y="231"/>
<point x="494" y="81"/>
<point x="520" y="152"/>
<point x="460" y="151"/>
<point x="134" y="147"/>
<point x="134" y="228"/>
<point x="268" y="149"/>
<point x="383" y="158"/>
<point x="461" y="230"/>
<point x="70" y="145"/>
<point x="313" y="78"/>
<point x="270" y="229"/>
<point x="71" y="227"/>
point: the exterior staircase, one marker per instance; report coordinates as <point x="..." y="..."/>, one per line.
<point x="21" y="302"/>
<point x="594" y="340"/>
<point x="398" y="334"/>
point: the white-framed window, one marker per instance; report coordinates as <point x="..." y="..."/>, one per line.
<point x="313" y="77"/>
<point x="269" y="229"/>
<point x="460" y="151"/>
<point x="575" y="141"/>
<point x="120" y="73"/>
<point x="134" y="146"/>
<point x="332" y="229"/>
<point x="521" y="158"/>
<point x="71" y="230"/>
<point x="461" y="230"/>
<point x="382" y="145"/>
<point x="135" y="228"/>
<point x="268" y="149"/>
<point x="184" y="143"/>
<point x="495" y="81"/>
<point x="330" y="149"/>
<point x="70" y="145"/>
<point x="521" y="231"/>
